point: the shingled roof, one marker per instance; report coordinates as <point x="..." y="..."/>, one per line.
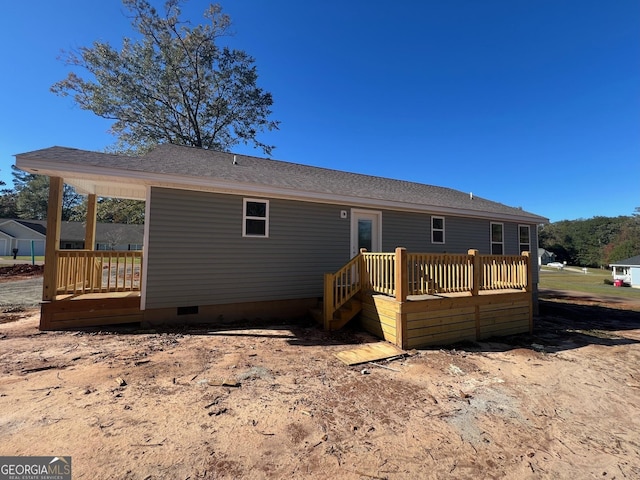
<point x="628" y="262"/>
<point x="198" y="167"/>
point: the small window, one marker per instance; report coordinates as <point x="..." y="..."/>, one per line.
<point x="525" y="238"/>
<point x="497" y="242"/>
<point x="437" y="229"/>
<point x="255" y="218"/>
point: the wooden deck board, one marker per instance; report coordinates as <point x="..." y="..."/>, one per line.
<point x="369" y="353"/>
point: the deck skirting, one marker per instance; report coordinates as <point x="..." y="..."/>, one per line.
<point x="90" y="310"/>
<point x="440" y="320"/>
<point x="116" y="308"/>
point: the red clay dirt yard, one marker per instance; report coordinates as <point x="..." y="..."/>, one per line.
<point x="273" y="401"/>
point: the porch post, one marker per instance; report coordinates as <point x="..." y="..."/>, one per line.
<point x="52" y="243"/>
<point x="363" y="275"/>
<point x="402" y="275"/>
<point x="529" y="288"/>
<point x="90" y="228"/>
<point x="476" y="269"/>
<point x="476" y="278"/>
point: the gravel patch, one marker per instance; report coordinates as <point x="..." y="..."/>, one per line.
<point x="21" y="293"/>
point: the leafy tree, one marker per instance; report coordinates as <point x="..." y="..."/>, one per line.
<point x="173" y="85"/>
<point x="8" y="207"/>
<point x="597" y="241"/>
<point x="32" y="196"/>
<point x="112" y="210"/>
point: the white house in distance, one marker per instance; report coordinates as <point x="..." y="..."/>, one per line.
<point x="28" y="237"/>
<point x="628" y="271"/>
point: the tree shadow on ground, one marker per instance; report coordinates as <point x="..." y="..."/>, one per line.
<point x="560" y="326"/>
<point x="303" y="331"/>
<point x="565" y="326"/>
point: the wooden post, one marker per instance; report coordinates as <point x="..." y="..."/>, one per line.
<point x="402" y="275"/>
<point x="476" y="278"/>
<point x="529" y="288"/>
<point x="363" y="275"/>
<point x="54" y="217"/>
<point x="476" y="271"/>
<point x="90" y="228"/>
<point x="90" y="278"/>
<point x="327" y="309"/>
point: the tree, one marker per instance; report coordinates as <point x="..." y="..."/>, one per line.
<point x="112" y="210"/>
<point x="8" y="200"/>
<point x="32" y="196"/>
<point x="174" y="85"/>
<point x="595" y="241"/>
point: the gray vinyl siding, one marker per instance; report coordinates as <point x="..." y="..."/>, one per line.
<point x="197" y="255"/>
<point x="413" y="231"/>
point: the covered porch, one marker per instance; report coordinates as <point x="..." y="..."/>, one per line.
<point x="86" y="287"/>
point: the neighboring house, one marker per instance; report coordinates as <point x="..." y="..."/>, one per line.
<point x="628" y="271"/>
<point x="22" y="234"/>
<point x="544" y="256"/>
<point x="238" y="236"/>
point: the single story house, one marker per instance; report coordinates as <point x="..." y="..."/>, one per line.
<point x="25" y="235"/>
<point x="628" y="271"/>
<point x="545" y="256"/>
<point x="234" y="236"/>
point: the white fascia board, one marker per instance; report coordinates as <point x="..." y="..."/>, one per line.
<point x="211" y="184"/>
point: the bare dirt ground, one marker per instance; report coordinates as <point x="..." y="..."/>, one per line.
<point x="272" y="401"/>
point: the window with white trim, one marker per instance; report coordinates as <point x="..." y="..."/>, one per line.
<point x="497" y="238"/>
<point x="255" y="218"/>
<point x="524" y="234"/>
<point x="437" y="229"/>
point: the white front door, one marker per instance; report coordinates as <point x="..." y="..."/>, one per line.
<point x="366" y="231"/>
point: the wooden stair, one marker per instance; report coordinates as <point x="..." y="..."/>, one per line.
<point x="341" y="317"/>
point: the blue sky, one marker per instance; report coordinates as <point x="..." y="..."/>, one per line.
<point x="531" y="103"/>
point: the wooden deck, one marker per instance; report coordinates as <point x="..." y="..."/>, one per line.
<point x="426" y="320"/>
<point x="418" y="299"/>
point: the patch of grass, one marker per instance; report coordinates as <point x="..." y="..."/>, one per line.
<point x="591" y="282"/>
<point x="25" y="258"/>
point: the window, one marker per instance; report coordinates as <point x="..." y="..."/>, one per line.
<point x="497" y="242"/>
<point x="437" y="229"/>
<point x="255" y="218"/>
<point x="525" y="238"/>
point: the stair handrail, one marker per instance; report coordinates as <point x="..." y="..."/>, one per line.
<point x="342" y="286"/>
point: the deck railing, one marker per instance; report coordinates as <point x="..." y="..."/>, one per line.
<point x="379" y="272"/>
<point x="504" y="272"/>
<point x="90" y="271"/>
<point x="439" y="273"/>
<point x="424" y="274"/>
<point x="341" y="286"/>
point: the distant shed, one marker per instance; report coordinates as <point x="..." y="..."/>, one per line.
<point x="628" y="271"/>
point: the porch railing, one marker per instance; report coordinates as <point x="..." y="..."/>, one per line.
<point x="341" y="286"/>
<point x="401" y="274"/>
<point x="439" y="273"/>
<point x="503" y="272"/>
<point x="90" y="271"/>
